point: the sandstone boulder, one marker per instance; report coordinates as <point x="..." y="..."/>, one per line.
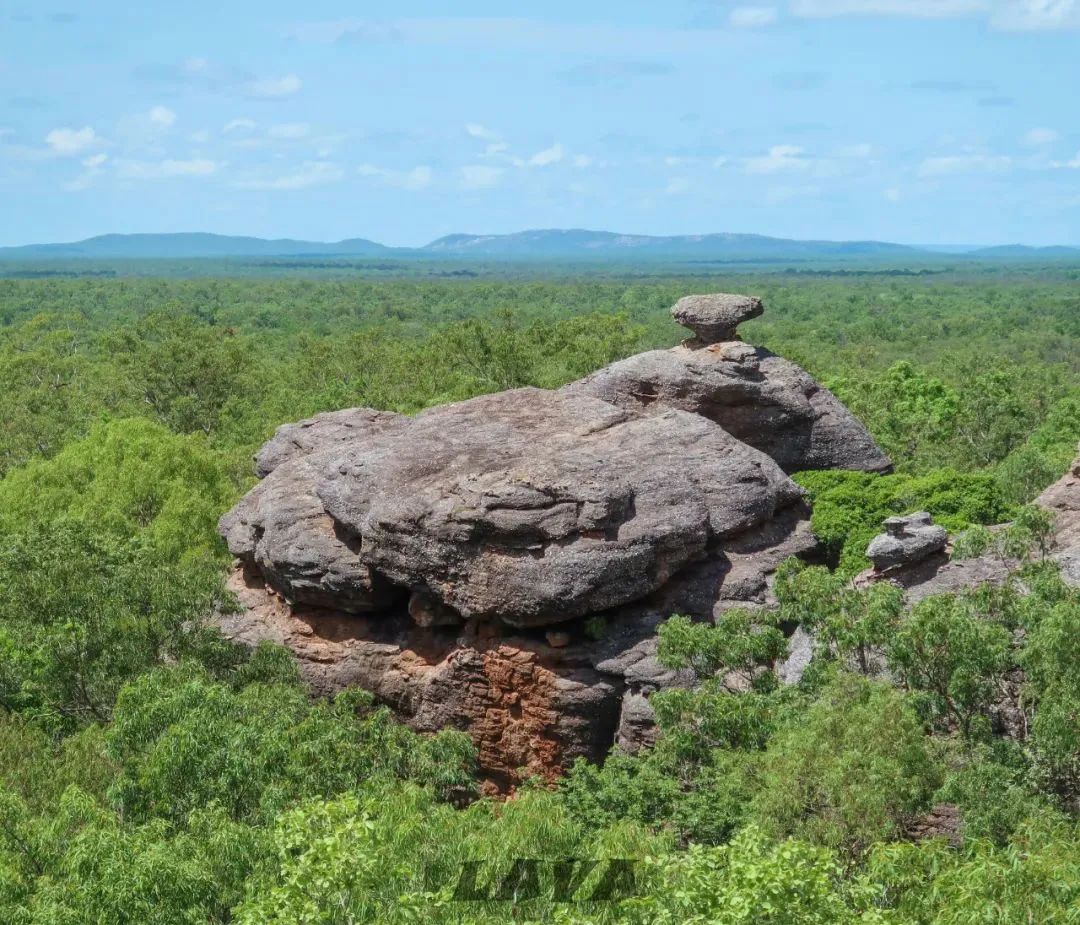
<point x="906" y="540"/>
<point x="530" y="507"/>
<point x="762" y="399"/>
<point x="714" y="317"/>
<point x="1063" y="500"/>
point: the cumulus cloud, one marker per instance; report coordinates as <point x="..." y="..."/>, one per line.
<point x="70" y="141"/>
<point x="413" y="180"/>
<point x="780" y="157"/>
<point x="166" y="169"/>
<point x="290" y="131"/>
<point x="548" y="156"/>
<point x="278" y="88"/>
<point x="1034" y="15"/>
<point x="1074" y="164"/>
<point x="1009" y="15"/>
<point x="917" y="9"/>
<point x="480" y="176"/>
<point x="476" y="130"/>
<point x="752" y="17"/>
<point x="238" y="125"/>
<point x="1040" y="136"/>
<point x="163" y="116"/>
<point x="963" y="163"/>
<point x="310" y="173"/>
<point x="615" y="72"/>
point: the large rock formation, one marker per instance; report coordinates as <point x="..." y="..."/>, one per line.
<point x="500" y="565"/>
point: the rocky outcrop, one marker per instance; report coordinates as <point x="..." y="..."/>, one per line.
<point x="1063" y="500"/>
<point x="906" y="540"/>
<point x="500" y="565"/>
<point x="763" y="400"/>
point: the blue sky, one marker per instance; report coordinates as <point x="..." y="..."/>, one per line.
<point x="922" y="121"/>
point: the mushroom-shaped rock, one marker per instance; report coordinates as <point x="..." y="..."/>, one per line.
<point x="714" y="317"/>
<point x="906" y="540"/>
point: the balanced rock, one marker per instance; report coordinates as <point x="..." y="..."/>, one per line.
<point x="714" y="317"/>
<point x="906" y="540"/>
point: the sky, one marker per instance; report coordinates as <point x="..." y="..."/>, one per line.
<point x="918" y="121"/>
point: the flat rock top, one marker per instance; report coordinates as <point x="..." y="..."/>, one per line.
<point x="715" y="316"/>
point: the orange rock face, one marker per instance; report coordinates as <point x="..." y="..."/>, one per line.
<point x="529" y="708"/>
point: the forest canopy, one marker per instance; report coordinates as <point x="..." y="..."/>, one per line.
<point x="151" y="772"/>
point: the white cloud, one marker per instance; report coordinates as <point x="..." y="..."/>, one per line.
<point x="859" y="151"/>
<point x="1035" y="15"/>
<point x="480" y="176"/>
<point x="290" y="130"/>
<point x="963" y="163"/>
<point x="1040" y="136"/>
<point x="238" y="125"/>
<point x="781" y="194"/>
<point x="163" y="116"/>
<point x="548" y="156"/>
<point x="582" y="160"/>
<point x="495" y="149"/>
<point x="200" y="137"/>
<point x="720" y="162"/>
<point x="68" y="141"/>
<point x="752" y="17"/>
<point x="780" y="157"/>
<point x="892" y="194"/>
<point x="476" y="130"/>
<point x="275" y="88"/>
<point x="166" y="169"/>
<point x="1074" y="164"/>
<point x="915" y="9"/>
<point x="416" y="179"/>
<point x="310" y="173"/>
<point x="1008" y="15"/>
<point x="677" y="185"/>
<point x="95" y="160"/>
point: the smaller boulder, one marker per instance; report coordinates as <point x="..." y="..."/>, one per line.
<point x="713" y="318"/>
<point x="906" y="540"/>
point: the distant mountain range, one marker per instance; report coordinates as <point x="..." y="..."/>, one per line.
<point x="562" y="244"/>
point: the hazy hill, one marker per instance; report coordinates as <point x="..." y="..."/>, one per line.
<point x="1023" y="250"/>
<point x="578" y="242"/>
<point x="190" y="245"/>
<point x="539" y="244"/>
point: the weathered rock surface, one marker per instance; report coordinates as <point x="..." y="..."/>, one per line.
<point x="528" y="506"/>
<point x="906" y="540"/>
<point x="500" y="565"/>
<point x="762" y="399"/>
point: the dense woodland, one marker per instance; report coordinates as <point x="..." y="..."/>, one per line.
<point x="153" y="774"/>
